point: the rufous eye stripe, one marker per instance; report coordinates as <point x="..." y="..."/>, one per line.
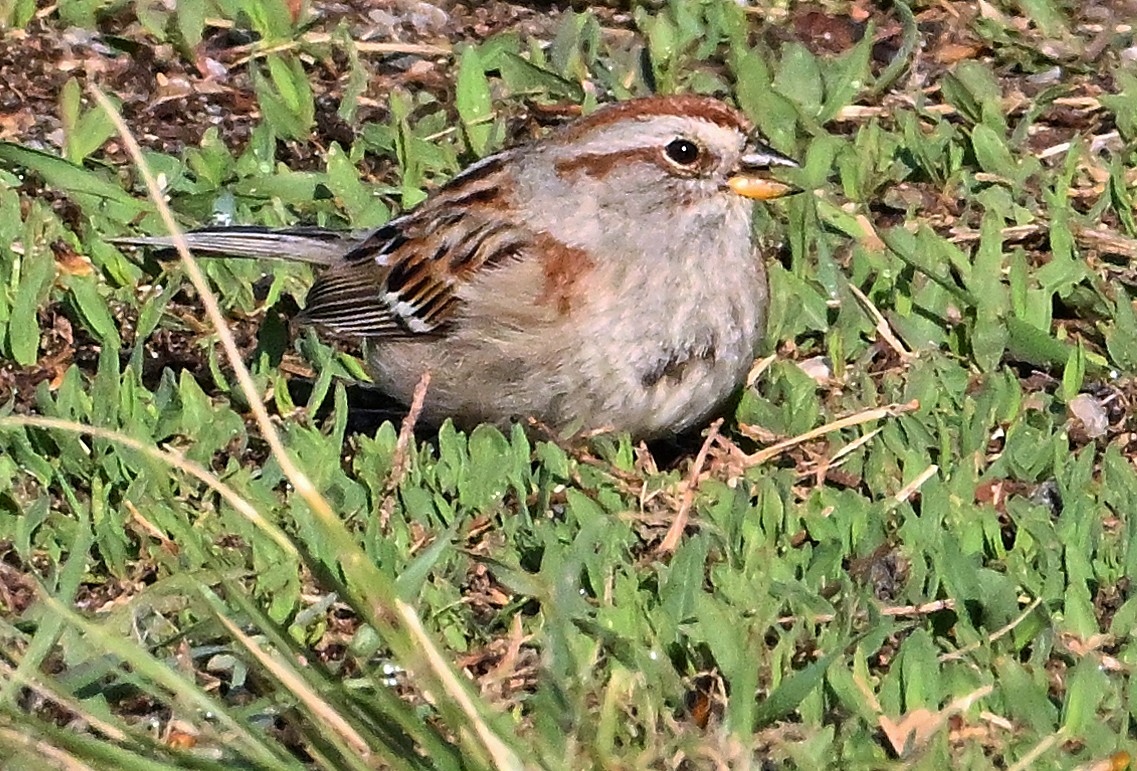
<point x="600" y="165"/>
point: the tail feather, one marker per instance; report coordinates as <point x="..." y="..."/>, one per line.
<point x="302" y="244"/>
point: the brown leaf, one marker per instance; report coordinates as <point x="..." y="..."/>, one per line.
<point x="825" y="33"/>
<point x="912" y="731"/>
<point x="915" y="729"/>
<point x="951" y="53"/>
<point x="70" y="262"/>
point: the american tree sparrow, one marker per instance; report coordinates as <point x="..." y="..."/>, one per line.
<point x="602" y="277"/>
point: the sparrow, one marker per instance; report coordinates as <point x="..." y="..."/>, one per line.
<point x="604" y="277"/>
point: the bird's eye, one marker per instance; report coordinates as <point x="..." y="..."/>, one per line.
<point x="683" y="151"/>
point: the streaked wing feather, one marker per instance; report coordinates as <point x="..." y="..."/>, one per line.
<point x="346" y="300"/>
<point x="402" y="280"/>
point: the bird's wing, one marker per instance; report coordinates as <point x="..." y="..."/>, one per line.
<point x="400" y="280"/>
<point x="403" y="279"/>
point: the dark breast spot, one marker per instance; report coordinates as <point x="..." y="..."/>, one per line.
<point x="672" y="366"/>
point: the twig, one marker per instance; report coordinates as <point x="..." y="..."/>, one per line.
<point x="906" y="492"/>
<point x="1027" y="760"/>
<point x="759" y="367"/>
<point x="399" y="460"/>
<point x="1012" y="234"/>
<point x="1108" y="241"/>
<point x="675" y="532"/>
<point x="824" y="465"/>
<point x="915" y="729"/>
<point x="882" y="326"/>
<point x="1096" y="238"/>
<point x="323" y="38"/>
<point x="1111" y="140"/>
<point x="894" y="611"/>
<point x="1001" y="632"/>
<point x="854" y="445"/>
<point x="866" y="416"/>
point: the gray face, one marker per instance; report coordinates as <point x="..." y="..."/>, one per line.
<point x="632" y="177"/>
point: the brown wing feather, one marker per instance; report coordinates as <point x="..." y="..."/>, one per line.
<point x="402" y="279"/>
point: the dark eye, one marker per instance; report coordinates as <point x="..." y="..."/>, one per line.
<point x="683" y="151"/>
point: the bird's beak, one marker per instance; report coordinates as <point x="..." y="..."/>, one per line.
<point x="749" y="178"/>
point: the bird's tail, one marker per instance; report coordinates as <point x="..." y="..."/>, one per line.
<point x="302" y="244"/>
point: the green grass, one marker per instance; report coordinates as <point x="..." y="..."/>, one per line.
<point x="941" y="580"/>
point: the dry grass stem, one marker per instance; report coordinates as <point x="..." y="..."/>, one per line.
<point x="504" y="758"/>
<point x="47" y="691"/>
<point x="45" y="752"/>
<point x="998" y="633"/>
<point x="300" y="481"/>
<point x="323" y="38"/>
<point x="909" y="489"/>
<point x="298" y="478"/>
<point x="174" y="460"/>
<point x="856" y="419"/>
<point x="883" y="328"/>
<point x="300" y="689"/>
<point x="895" y="611"/>
<point x="1038" y="750"/>
<point x="675" y="532"/>
<point x="399" y="460"/>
